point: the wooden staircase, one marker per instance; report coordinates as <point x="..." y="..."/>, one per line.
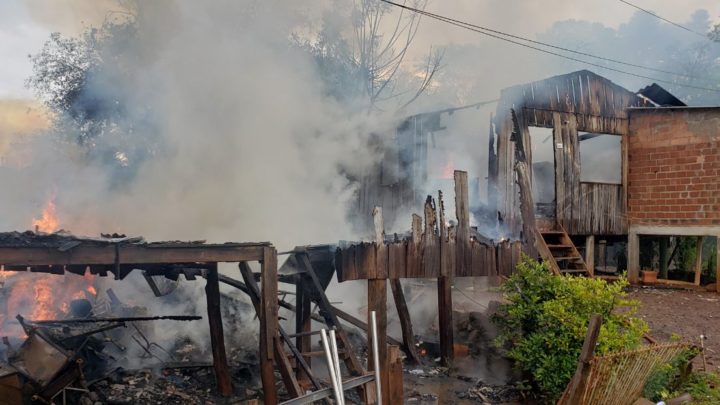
<point x="556" y="247"/>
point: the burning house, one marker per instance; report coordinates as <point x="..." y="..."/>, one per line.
<point x="605" y="164"/>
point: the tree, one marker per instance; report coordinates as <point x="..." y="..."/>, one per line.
<point x="84" y="83"/>
<point x="369" y="63"/>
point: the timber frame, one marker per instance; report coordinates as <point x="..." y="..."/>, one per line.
<point x="60" y="253"/>
<point x="433" y="251"/>
<point x="578" y="101"/>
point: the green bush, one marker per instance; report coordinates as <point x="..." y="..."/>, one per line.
<point x="670" y="377"/>
<point x="544" y="323"/>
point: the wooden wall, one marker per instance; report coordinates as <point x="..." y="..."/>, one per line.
<point x="572" y="103"/>
<point x="434" y="250"/>
<point x="406" y="259"/>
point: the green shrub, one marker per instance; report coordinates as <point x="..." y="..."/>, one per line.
<point x="703" y="387"/>
<point x="544" y="323"/>
<point x="670" y="377"/>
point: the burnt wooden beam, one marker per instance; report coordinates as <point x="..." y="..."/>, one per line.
<point x="217" y="340"/>
<point x="377" y="302"/>
<point x="444" y="286"/>
<point x="405" y="322"/>
<point x="130" y="254"/>
<point x="281" y="360"/>
<point x="360" y="324"/>
<point x="268" y="322"/>
<point x="303" y="324"/>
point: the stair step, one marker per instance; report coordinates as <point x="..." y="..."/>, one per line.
<point x="573" y="271"/>
<point x="567" y="257"/>
<point x="559" y="246"/>
<point x="552" y="233"/>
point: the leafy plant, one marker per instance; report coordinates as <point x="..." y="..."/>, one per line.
<point x="669" y="377"/>
<point x="544" y="323"/>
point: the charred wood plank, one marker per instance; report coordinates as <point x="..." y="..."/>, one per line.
<point x="279" y="356"/>
<point x="217" y="340"/>
<point x="405" y="322"/>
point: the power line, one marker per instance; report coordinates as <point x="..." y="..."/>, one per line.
<point x="664" y="19"/>
<point x="429" y="14"/>
<point x="481" y="30"/>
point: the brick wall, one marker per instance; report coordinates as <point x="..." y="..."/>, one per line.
<point x="674" y="166"/>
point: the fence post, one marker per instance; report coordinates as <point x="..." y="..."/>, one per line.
<point x="579" y="381"/>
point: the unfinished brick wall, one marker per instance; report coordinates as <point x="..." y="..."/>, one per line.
<point x="674" y="166"/>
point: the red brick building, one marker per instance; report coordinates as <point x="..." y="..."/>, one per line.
<point x="674" y="174"/>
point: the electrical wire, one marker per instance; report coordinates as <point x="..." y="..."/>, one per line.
<point x="484" y="31"/>
<point x="664" y="19"/>
<point x="429" y="14"/>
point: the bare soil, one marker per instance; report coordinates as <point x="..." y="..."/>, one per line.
<point x="687" y="314"/>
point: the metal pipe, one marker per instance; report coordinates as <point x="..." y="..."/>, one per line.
<point x="376" y="355"/>
<point x="330" y="364"/>
<point x="336" y="359"/>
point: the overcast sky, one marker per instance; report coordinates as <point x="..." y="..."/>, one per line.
<point x="26" y="24"/>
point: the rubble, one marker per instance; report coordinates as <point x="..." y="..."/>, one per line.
<point x="492" y="394"/>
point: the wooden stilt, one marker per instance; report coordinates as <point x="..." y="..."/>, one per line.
<point x="395" y="379"/>
<point x="590" y="254"/>
<point x="377" y="301"/>
<point x="302" y="323"/>
<point x="268" y="323"/>
<point x="444" y="287"/>
<point x="217" y="340"/>
<point x="281" y="360"/>
<point x="698" y="259"/>
<point x="664" y="253"/>
<point x="633" y="257"/>
<point x="398" y="295"/>
<point x="405" y="322"/>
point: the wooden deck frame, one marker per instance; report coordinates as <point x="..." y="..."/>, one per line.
<point x="121" y="258"/>
<point x="434" y="251"/>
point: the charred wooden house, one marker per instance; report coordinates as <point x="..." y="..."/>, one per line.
<point x="607" y="166"/>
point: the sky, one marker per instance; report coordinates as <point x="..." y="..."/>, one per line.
<point x="26" y="24"/>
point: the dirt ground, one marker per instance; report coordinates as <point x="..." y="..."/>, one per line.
<point x="688" y="314"/>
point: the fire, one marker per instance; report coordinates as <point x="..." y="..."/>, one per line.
<point x="41" y="296"/>
<point x="49" y="221"/>
<point x="448" y="171"/>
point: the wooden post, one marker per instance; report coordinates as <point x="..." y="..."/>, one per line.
<point x="405" y="322"/>
<point x="398" y="295"/>
<point x="217" y="340"/>
<point x="578" y="383"/>
<point x="590" y="254"/>
<point x="281" y="360"/>
<point x="698" y="259"/>
<point x="303" y="324"/>
<point x="268" y="323"/>
<point x="663" y="242"/>
<point x="633" y="257"/>
<point x="395" y="380"/>
<point x="527" y="209"/>
<point x="377" y="301"/>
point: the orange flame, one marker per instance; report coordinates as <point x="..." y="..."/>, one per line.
<point x="49" y="221"/>
<point x="448" y="171"/>
<point x="39" y="296"/>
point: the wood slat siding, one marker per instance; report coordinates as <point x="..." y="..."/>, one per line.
<point x="577" y="102"/>
<point x="432" y="251"/>
<point x="406" y="262"/>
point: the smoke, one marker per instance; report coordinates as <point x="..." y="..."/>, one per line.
<point x="244" y="143"/>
